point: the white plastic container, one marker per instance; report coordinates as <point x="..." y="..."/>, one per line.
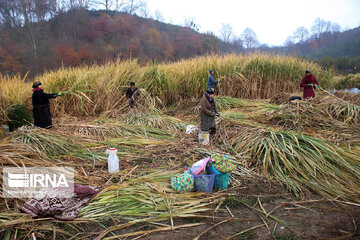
<point x="113" y="160"/>
<point x="190" y="129"/>
<point x="204" y="138"/>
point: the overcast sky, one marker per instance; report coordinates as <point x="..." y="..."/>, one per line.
<point x="272" y="20"/>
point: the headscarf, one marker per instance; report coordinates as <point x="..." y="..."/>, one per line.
<point x="36" y="84"/>
<point x="207" y="95"/>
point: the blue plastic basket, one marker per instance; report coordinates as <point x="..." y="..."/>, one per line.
<point x="203" y="183"/>
<point x="221" y="179"/>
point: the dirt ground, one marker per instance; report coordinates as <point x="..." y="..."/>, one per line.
<point x="257" y="208"/>
<point x="283" y="217"/>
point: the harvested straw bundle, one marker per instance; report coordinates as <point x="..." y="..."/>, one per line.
<point x="45" y="141"/>
<point x="224" y="103"/>
<point x="324" y="113"/>
<point x="148" y="198"/>
<point x="344" y="112"/>
<point x="113" y="129"/>
<point x="280" y="98"/>
<point x="292" y="117"/>
<point x="154" y="119"/>
<point x="353" y="98"/>
<point x="300" y="161"/>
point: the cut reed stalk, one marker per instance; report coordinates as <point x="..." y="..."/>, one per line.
<point x="299" y="161"/>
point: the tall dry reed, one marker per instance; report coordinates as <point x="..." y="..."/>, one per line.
<point x="90" y="90"/>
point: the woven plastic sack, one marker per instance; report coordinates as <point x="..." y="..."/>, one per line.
<point x="221" y="179"/>
<point x="182" y="182"/>
<point x="204" y="183"/>
<point x="222" y="163"/>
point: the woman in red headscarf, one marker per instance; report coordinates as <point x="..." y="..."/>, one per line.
<point x="309" y="83"/>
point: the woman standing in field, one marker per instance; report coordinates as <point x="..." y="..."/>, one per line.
<point x="309" y="83"/>
<point x="211" y="81"/>
<point x="208" y="112"/>
<point x="41" y="106"/>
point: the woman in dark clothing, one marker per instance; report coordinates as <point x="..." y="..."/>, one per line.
<point x="41" y="106"/>
<point x="309" y="83"/>
<point x="208" y="112"/>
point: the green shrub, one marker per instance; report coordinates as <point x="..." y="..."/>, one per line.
<point x="18" y="116"/>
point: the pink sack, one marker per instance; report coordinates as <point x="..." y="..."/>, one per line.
<point x="199" y="166"/>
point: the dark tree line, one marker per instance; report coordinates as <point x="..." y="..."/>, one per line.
<point x="38" y="35"/>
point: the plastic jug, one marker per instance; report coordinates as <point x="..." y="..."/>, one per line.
<point x="113" y="160"/>
<point x="190" y="129"/>
<point x="204" y="138"/>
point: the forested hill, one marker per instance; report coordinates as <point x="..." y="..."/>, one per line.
<point x="81" y="36"/>
<point x="346" y="44"/>
<point x="333" y="44"/>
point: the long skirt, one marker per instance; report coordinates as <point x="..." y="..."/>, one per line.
<point x="207" y="122"/>
<point x="42" y="116"/>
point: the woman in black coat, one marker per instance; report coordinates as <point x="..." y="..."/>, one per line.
<point x="41" y="106"/>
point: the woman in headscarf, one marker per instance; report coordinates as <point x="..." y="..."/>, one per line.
<point x="208" y="112"/>
<point x="309" y="83"/>
<point x="41" y="105"/>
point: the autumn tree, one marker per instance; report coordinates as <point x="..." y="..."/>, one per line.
<point x="319" y="27"/>
<point x="249" y="38"/>
<point x="301" y="34"/>
<point x="238" y="44"/>
<point x="154" y="38"/>
<point x="107" y="4"/>
<point x="210" y="43"/>
<point x="191" y="23"/>
<point x="158" y="15"/>
<point x="335" y="27"/>
<point x="9" y="14"/>
<point x="144" y="11"/>
<point x="226" y="32"/>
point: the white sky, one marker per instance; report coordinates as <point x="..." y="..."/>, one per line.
<point x="272" y="20"/>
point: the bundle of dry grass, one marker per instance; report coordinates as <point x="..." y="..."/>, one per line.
<point x="280" y="98"/>
<point x="327" y="118"/>
<point x="353" y="98"/>
<point x="321" y="110"/>
<point x="298" y="161"/>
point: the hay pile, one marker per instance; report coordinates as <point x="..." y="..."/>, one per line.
<point x="280" y="98"/>
<point x="353" y="98"/>
<point x="298" y="161"/>
<point x="325" y="117"/>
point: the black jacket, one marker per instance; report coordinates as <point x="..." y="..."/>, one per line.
<point x="130" y="92"/>
<point x="41" y="98"/>
<point x="41" y="108"/>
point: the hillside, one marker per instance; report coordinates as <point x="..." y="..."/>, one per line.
<point x="80" y="36"/>
<point x="347" y="44"/>
<point x="332" y="49"/>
